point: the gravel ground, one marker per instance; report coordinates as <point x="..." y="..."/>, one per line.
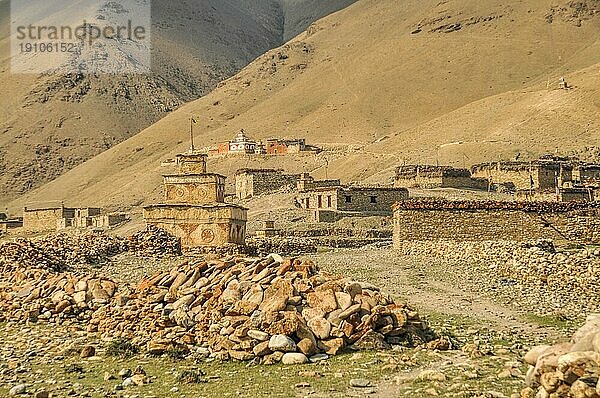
<point x="434" y="286"/>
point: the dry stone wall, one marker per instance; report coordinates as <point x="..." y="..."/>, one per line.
<point x="481" y="221"/>
<point x="550" y="281"/>
<point x="252" y="183"/>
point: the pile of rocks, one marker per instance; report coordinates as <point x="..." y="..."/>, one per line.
<point x="57" y="252"/>
<point x="565" y="281"/>
<point x="154" y="241"/>
<point x="41" y="295"/>
<point x="566" y="370"/>
<point x="64" y="251"/>
<point x="266" y="309"/>
<point x="288" y="246"/>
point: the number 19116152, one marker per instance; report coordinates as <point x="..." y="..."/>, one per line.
<point x="48" y="48"/>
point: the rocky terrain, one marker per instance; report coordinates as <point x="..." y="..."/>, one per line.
<point x="560" y="282"/>
<point x="362" y="84"/>
<point x="172" y="331"/>
<point x="51" y="123"/>
<point x="568" y="369"/>
<point x="243" y="309"/>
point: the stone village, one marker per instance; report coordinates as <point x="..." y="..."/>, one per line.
<point x="197" y="209"/>
<point x="267" y="309"/>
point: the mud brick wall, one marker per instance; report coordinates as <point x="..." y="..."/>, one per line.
<point x="357" y="200"/>
<point x="361" y="199"/>
<point x="441" y="182"/>
<point x="576" y="226"/>
<point x="543" y="176"/>
<point x="45" y="220"/>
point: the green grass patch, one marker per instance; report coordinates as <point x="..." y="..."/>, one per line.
<point x="556" y="321"/>
<point x="221" y="378"/>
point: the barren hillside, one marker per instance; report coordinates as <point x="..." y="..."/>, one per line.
<point x="51" y="123"/>
<point x="460" y="81"/>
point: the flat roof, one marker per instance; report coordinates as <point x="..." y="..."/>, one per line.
<point x="356" y="189"/>
<point x="188" y="206"/>
<point x="195" y="175"/>
<point x="242" y="171"/>
<point x="483" y="205"/>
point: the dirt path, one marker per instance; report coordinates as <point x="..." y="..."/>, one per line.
<point x="463" y="298"/>
<point x="432" y="286"/>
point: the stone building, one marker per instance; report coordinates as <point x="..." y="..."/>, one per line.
<point x="7" y="224"/>
<point x="83" y="217"/>
<point x="429" y="177"/>
<point x="268" y="230"/>
<point x="307" y="182"/>
<point x="252" y="182"/>
<point x="241" y="144"/>
<point x="442" y="220"/>
<point x="55" y="217"/>
<point x="587" y="174"/>
<point x="541" y="175"/>
<point x="46" y="217"/>
<point x="109" y="220"/>
<point x="194" y="208"/>
<point x="277" y="146"/>
<point x="566" y="194"/>
<point x="331" y="203"/>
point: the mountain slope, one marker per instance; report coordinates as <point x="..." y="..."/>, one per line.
<point x="51" y="123"/>
<point x="395" y="81"/>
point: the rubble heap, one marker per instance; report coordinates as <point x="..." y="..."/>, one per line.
<point x="267" y="310"/>
<point x="56" y="252"/>
<point x="32" y="294"/>
<point x="154" y="241"/>
<point x="61" y="252"/>
<point x="290" y="246"/>
<point x="567" y="369"/>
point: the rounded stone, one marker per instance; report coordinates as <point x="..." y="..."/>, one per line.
<point x="294" y="358"/>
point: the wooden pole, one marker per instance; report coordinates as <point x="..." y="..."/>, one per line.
<point x="192" y="135"/>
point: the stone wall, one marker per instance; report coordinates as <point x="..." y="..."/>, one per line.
<point x="521" y="173"/>
<point x="370" y="199"/>
<point x="249" y="183"/>
<point x="536" y="274"/>
<point x="45" y="220"/>
<point x="430" y="177"/>
<point x="510" y="221"/>
<point x="360" y="200"/>
<point x="308" y="182"/>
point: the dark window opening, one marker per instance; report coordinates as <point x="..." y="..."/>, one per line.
<point x="373" y="199"/>
<point x="348" y="199"/>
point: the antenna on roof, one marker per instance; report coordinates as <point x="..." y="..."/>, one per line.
<point x="192" y="122"/>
